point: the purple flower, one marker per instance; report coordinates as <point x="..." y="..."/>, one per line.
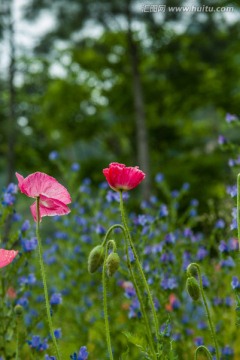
<point x="37" y="343"/>
<point x="170" y="238"/>
<point x="169" y="283"/>
<point x="222" y="140"/>
<point x="100" y="230"/>
<point x="53" y="155"/>
<point x="220" y="224"/>
<point x="205" y="281"/>
<point x="58" y="333"/>
<point x="231" y="162"/>
<point x="227" y="350"/>
<point x="235" y="283"/>
<point x="75" y="167"/>
<point x="202" y="253"/>
<point x="198" y="341"/>
<point x="82" y="355"/>
<point x="159" y="178"/>
<point x="29" y="245"/>
<point x="25" y="226"/>
<point x="232" y="190"/>
<point x="223" y="248"/>
<point x="231" y="118"/>
<point x="163" y="210"/>
<point x="56" y="299"/>
<point x="227" y="263"/>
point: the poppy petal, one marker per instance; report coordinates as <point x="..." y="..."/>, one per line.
<point x="40" y="183"/>
<point x="49" y="207"/>
<point x="7" y="256"/>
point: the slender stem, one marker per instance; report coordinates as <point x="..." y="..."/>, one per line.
<point x="204" y="350"/>
<point x="17" y="342"/>
<point x="3" y="323"/>
<point x="115" y="226"/>
<point x="238" y="208"/>
<point x="105" y="309"/>
<point x="145" y="283"/>
<point x="142" y="307"/>
<point x="45" y="283"/>
<point x="213" y="333"/>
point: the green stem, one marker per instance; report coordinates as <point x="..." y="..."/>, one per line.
<point x="2" y="295"/>
<point x="142" y="307"/>
<point x="204" y="350"/>
<point x="238" y="208"/>
<point x="17" y="343"/>
<point x="145" y="283"/>
<point x="115" y="226"/>
<point x="213" y="333"/>
<point x="45" y="283"/>
<point x="105" y="309"/>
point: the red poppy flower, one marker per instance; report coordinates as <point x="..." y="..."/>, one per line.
<point x="53" y="196"/>
<point x="121" y="177"/>
<point x="7" y="256"/>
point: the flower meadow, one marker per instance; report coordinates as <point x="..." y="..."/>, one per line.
<point x="103" y="274"/>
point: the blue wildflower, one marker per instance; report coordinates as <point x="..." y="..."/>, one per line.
<point x="232" y="190"/>
<point x="198" y="341"/>
<point x="25" y="226"/>
<point x="58" y="333"/>
<point x="201" y="253"/>
<point x="29" y="245"/>
<point x="163" y="210"/>
<point x="231" y="118"/>
<point x="222" y="140"/>
<point x="56" y="299"/>
<point x="220" y="224"/>
<point x="75" y="167"/>
<point x="37" y="344"/>
<point x="82" y="355"/>
<point x="159" y="178"/>
<point x="235" y="283"/>
<point x="227" y="350"/>
<point x="53" y="155"/>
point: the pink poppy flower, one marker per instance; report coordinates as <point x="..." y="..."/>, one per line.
<point x="7" y="256"/>
<point x="121" y="177"/>
<point x="53" y="196"/>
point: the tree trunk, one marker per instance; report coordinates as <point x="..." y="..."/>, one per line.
<point x="140" y="117"/>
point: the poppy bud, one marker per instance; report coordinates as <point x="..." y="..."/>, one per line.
<point x="18" y="309"/>
<point x="112" y="263"/>
<point x="95" y="258"/>
<point x="193" y="288"/>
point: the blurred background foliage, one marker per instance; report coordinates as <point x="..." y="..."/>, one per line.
<point x="110" y="82"/>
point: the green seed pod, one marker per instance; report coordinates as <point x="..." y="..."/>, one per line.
<point x="18" y="309"/>
<point x="193" y="288"/>
<point x="112" y="263"/>
<point x="95" y="258"/>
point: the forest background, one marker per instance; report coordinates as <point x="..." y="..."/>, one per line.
<point x="120" y="81"/>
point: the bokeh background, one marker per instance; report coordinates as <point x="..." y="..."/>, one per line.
<point x="103" y="81"/>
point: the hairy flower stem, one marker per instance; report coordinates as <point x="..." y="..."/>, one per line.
<point x="204" y="350"/>
<point x="105" y="309"/>
<point x="45" y="283"/>
<point x="145" y="283"/>
<point x="142" y="307"/>
<point x="238" y="208"/>
<point x="212" y="330"/>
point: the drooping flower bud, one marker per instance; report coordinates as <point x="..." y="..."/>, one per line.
<point x="193" y="288"/>
<point x="18" y="309"/>
<point x="95" y="258"/>
<point x="112" y="263"/>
